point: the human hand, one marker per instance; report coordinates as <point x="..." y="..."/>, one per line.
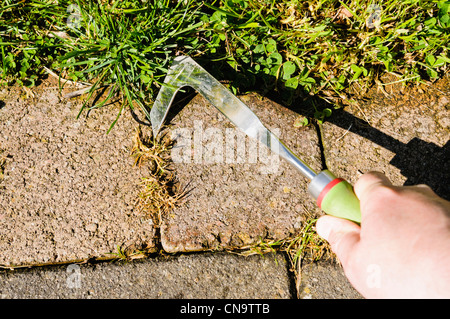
<point x="402" y="249"/>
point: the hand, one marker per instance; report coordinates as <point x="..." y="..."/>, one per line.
<point x="402" y="249"/>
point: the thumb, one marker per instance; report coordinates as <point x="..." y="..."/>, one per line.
<point x="342" y="234"/>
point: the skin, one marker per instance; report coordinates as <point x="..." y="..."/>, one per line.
<point x="402" y="249"/>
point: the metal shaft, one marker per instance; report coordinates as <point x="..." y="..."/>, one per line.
<point x="294" y="160"/>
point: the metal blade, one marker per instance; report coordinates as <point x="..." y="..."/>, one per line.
<point x="184" y="71"/>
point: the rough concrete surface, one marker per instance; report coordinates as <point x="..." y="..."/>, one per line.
<point x="325" y="280"/>
<point x="219" y="276"/>
<point x="67" y="189"/>
<point x="235" y="204"/>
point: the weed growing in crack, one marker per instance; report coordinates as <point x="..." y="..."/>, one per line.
<point x="305" y="246"/>
<point x="160" y="192"/>
<point x="2" y="171"/>
<point x="153" y="151"/>
<point x="128" y="253"/>
<point x="158" y="196"/>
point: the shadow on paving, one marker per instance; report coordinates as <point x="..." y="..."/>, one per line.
<point x="419" y="161"/>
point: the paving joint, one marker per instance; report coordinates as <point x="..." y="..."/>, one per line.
<point x="320" y="143"/>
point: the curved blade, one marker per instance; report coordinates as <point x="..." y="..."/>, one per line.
<point x="186" y="72"/>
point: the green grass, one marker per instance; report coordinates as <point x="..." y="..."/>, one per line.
<point x="313" y="47"/>
<point x="296" y="48"/>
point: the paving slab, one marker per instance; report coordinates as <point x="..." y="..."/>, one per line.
<point x="218" y="276"/>
<point x="403" y="132"/>
<point x="238" y="192"/>
<point x="68" y="190"/>
<point x="192" y="276"/>
<point x="325" y="280"/>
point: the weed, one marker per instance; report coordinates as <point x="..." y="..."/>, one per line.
<point x="158" y="196"/>
<point x="2" y="167"/>
<point x="153" y="151"/>
<point x="307" y="245"/>
<point x="127" y="254"/>
<point x="262" y="247"/>
<point x="160" y="191"/>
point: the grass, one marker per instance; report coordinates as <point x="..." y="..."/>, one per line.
<point x="297" y="48"/>
<point x="321" y="47"/>
<point x="160" y="191"/>
<point x="127" y="254"/>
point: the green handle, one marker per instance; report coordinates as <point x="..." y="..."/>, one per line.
<point x="335" y="196"/>
<point x="341" y="201"/>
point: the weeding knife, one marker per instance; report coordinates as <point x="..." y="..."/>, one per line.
<point x="333" y="195"/>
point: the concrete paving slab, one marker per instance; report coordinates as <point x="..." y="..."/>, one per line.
<point x="238" y="199"/>
<point x="325" y="280"/>
<point x="67" y="189"/>
<point x="403" y="132"/>
<point x="219" y="276"/>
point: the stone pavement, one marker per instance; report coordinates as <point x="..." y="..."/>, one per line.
<point x="192" y="276"/>
<point x="185" y="276"/>
<point x="68" y="194"/>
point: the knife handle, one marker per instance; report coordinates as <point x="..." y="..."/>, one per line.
<point x="335" y="196"/>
